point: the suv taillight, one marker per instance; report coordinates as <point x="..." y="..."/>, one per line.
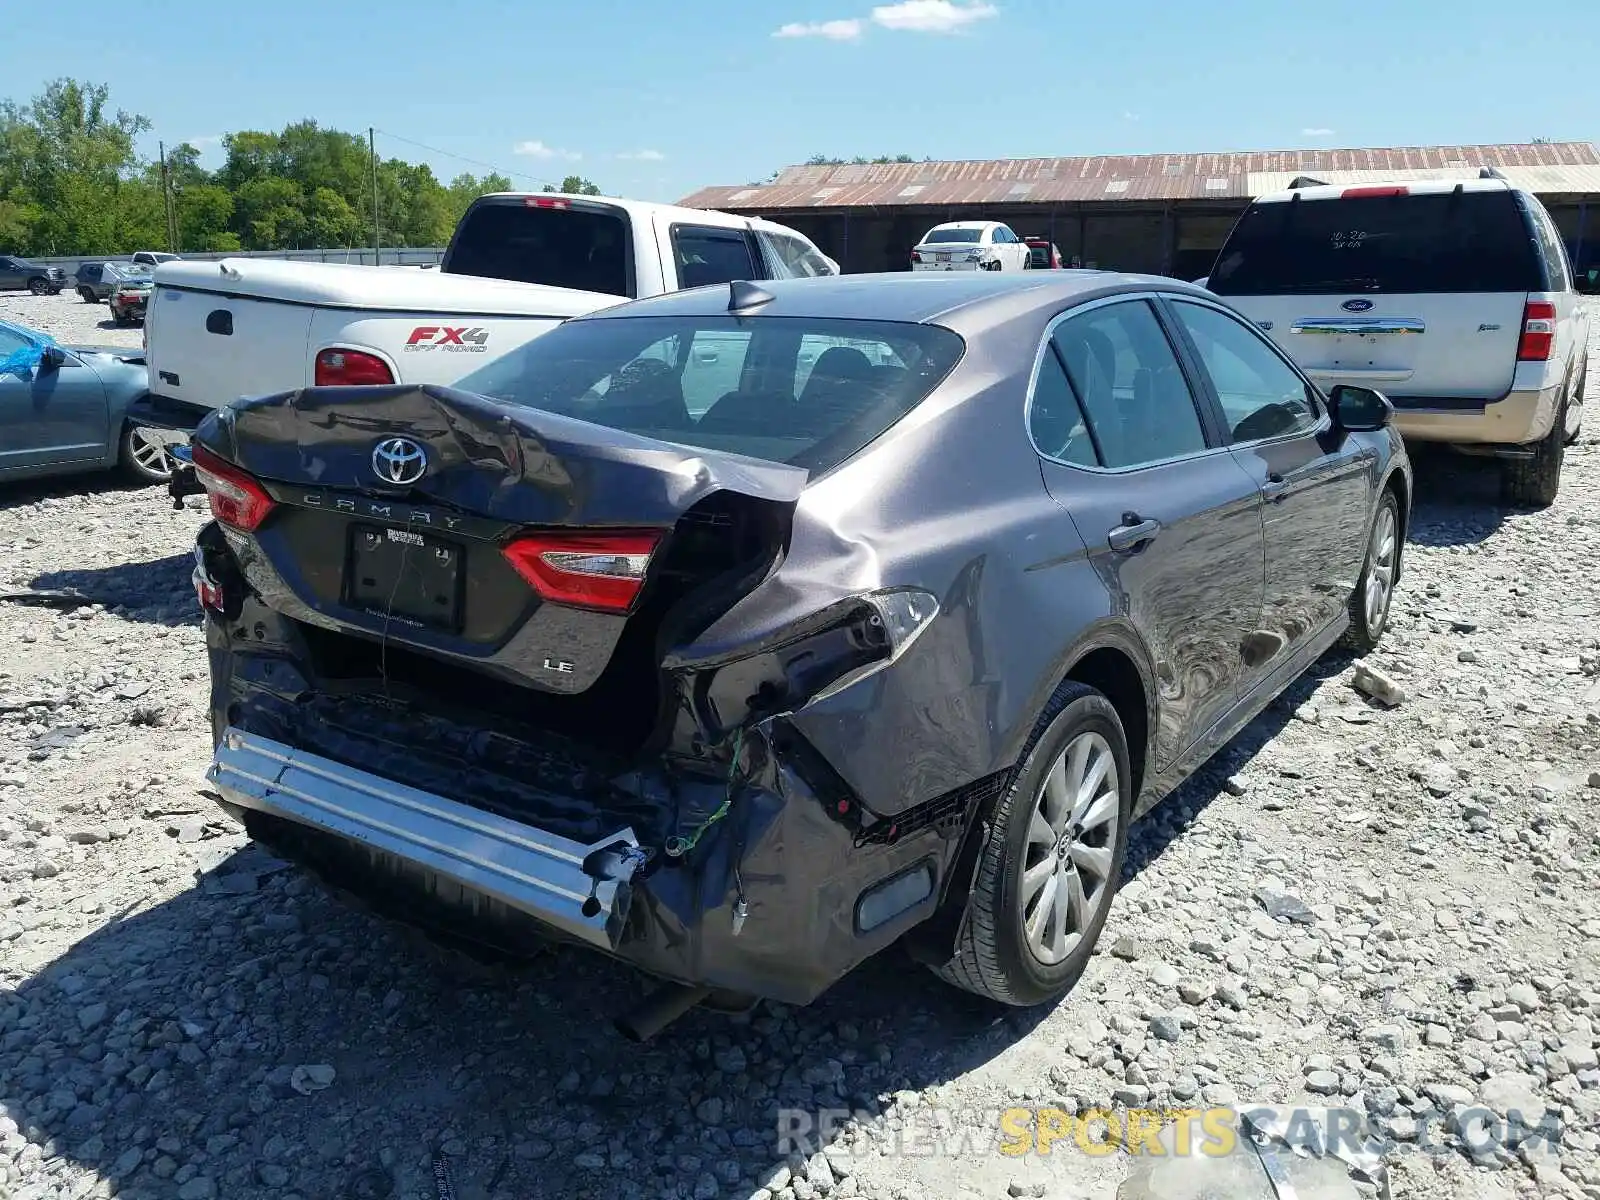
<point x="1538" y="331"/>
<point x="338" y="367"/>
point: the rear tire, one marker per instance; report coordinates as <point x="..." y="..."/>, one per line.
<point x="88" y="295"/>
<point x="1534" y="482"/>
<point x="1008" y="949"/>
<point x="1373" y="596"/>
<point x="141" y="460"/>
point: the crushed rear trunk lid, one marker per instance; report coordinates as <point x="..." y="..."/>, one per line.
<point x="527" y="542"/>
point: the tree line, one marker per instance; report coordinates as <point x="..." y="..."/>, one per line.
<point x="72" y="182"/>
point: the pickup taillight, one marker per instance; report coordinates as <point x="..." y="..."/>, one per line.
<point x="338" y="367"/>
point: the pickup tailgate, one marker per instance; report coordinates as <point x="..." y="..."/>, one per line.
<point x="208" y="348"/>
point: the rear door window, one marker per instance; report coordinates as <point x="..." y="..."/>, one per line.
<point x="1555" y="254"/>
<point x="1127" y="380"/>
<point x="588" y="247"/>
<point x="1438" y="242"/>
<point x="707" y="255"/>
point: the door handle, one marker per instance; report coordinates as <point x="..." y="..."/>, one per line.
<point x="1275" y="488"/>
<point x="1132" y="534"/>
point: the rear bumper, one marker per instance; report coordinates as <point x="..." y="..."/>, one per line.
<point x="532" y="872"/>
<point x="1519" y="418"/>
<point x="493" y="837"/>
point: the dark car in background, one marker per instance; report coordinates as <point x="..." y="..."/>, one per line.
<point x="19" y="273"/>
<point x="888" y="628"/>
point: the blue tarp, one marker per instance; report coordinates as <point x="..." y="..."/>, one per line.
<point x="26" y="360"/>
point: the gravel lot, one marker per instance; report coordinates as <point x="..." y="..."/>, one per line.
<point x="181" y="1017"/>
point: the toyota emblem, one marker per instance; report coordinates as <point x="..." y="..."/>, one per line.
<point x="399" y="461"/>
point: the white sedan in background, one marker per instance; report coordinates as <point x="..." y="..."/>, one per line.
<point x="970" y="246"/>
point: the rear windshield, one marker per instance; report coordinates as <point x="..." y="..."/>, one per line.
<point x="587" y="249"/>
<point x="803" y="391"/>
<point x="954" y="235"/>
<point x="1444" y="242"/>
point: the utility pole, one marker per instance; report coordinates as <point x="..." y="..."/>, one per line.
<point x="372" y="148"/>
<point x="166" y="200"/>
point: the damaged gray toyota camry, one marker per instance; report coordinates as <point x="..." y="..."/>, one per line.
<point x="744" y="632"/>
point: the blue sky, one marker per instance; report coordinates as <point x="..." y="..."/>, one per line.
<point x="655" y="99"/>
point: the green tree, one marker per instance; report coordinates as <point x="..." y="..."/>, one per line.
<point x="575" y="185"/>
<point x="269" y="214"/>
<point x="204" y="215"/>
<point x="62" y="158"/>
<point x="332" y="221"/>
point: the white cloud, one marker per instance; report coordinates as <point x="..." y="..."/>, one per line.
<point x="537" y="149"/>
<point x="1130" y="116"/>
<point x="931" y="16"/>
<point x="210" y="139"/>
<point x="1316" y="131"/>
<point x="644" y="156"/>
<point x="833" y="31"/>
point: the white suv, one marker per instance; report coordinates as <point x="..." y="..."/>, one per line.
<point x="1454" y="298"/>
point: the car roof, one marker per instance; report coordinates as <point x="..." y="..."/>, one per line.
<point x="966" y="301"/>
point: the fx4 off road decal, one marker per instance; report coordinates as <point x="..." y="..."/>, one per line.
<point x="462" y="340"/>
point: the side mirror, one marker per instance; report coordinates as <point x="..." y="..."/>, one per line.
<point x="1360" y="409"/>
<point x="51" y="358"/>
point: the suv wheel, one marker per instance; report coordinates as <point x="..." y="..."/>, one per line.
<point x="1533" y="482"/>
<point x="88" y="295"/>
<point x="1052" y="861"/>
<point x="1374" y="591"/>
<point x="39" y="285"/>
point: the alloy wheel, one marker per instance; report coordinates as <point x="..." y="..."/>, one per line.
<point x="1380" y="568"/>
<point x="1071" y="848"/>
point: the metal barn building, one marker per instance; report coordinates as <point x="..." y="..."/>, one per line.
<point x="1161" y="213"/>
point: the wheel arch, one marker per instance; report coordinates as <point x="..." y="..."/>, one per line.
<point x="1109" y="658"/>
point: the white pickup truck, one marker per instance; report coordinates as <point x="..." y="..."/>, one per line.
<point x="517" y="265"/>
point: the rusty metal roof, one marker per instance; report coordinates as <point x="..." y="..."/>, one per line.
<point x="1549" y="167"/>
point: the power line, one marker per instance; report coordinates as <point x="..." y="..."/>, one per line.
<point x="463" y="158"/>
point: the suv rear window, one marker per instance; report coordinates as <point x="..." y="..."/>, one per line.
<point x="587" y="248"/>
<point x="1438" y="242"/>
<point x="810" y="392"/>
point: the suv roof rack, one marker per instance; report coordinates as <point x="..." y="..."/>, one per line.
<point x="1305" y="181"/>
<point x="1492" y="173"/>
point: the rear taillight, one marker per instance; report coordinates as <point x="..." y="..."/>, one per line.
<point x="237" y="500"/>
<point x="915" y="257"/>
<point x="1358" y="193"/>
<point x="599" y="569"/>
<point x="1538" y="331"/>
<point x="338" y="367"/>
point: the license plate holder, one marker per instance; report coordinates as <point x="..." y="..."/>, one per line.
<point x="405" y="576"/>
<point x="942" y="256"/>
